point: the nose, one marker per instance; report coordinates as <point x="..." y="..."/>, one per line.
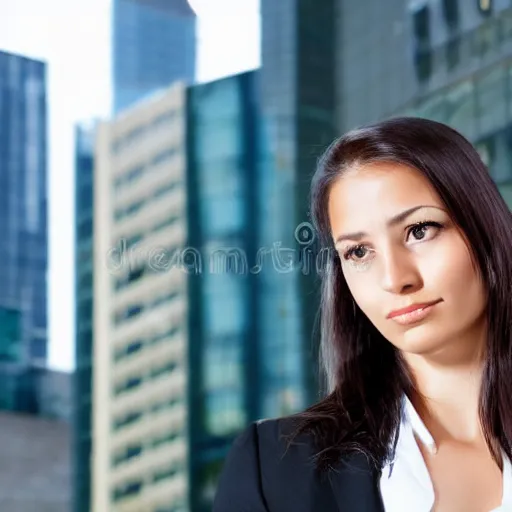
<point x="400" y="273"/>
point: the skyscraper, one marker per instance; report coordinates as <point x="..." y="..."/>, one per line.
<point x="23" y="212"/>
<point x="225" y="391"/>
<point x="298" y="103"/>
<point x="140" y="373"/>
<point x="153" y="46"/>
<point x="84" y="301"/>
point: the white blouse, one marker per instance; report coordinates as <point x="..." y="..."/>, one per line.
<point x="405" y="484"/>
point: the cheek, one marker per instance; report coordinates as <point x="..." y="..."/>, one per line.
<point x="363" y="288"/>
<point x="451" y="272"/>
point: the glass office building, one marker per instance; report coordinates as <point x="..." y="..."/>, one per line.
<point x="225" y="382"/>
<point x="153" y="46"/>
<point x="23" y="212"/>
<point x="298" y="103"/>
<point x="448" y="61"/>
<point x="82" y="399"/>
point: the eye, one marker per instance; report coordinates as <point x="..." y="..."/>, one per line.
<point x="356" y="253"/>
<point x="423" y="231"/>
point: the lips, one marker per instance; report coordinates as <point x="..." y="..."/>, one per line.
<point x="411" y="308"/>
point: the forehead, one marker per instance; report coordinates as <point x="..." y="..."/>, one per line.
<point x="372" y="193"/>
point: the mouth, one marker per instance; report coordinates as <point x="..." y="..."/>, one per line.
<point x="413" y="313"/>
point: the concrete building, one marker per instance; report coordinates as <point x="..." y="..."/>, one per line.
<point x="139" y="452"/>
<point x="154" y="45"/>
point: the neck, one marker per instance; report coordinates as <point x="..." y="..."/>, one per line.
<point x="447" y="395"/>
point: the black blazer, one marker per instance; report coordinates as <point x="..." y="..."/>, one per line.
<point x="260" y="475"/>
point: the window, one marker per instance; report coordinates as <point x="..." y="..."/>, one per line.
<point x="162" y="370"/>
<point x="423" y="52"/>
<point x="165" y="189"/>
<point x="130" y="312"/>
<point x="167" y="472"/>
<point x="10" y="335"/>
<point x="126" y="211"/>
<point x="133" y="276"/>
<point x="483" y="39"/>
<point x="132" y="348"/>
<point x="129" y="176"/>
<point x="167" y="437"/>
<point x="131" y="383"/>
<point x="453" y="52"/>
<point x="169" y="221"/>
<point x="126" y="490"/>
<point x="85" y="228"/>
<point x="128" y="419"/>
<point x="223" y="214"/>
<point x="38" y="348"/>
<point x="225" y="413"/>
<point x="461" y="109"/>
<point x="129" y="453"/>
<point x="451" y="13"/>
<point x="166" y="118"/>
<point x="484" y="6"/>
<point x="163" y="156"/>
<point x="491" y="100"/>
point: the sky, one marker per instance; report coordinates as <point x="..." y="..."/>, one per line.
<point x="73" y="38"/>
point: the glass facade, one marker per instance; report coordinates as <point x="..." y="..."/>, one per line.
<point x="478" y="104"/>
<point x="224" y="388"/>
<point x="35" y="391"/>
<point x="480" y="108"/>
<point x="82" y="414"/>
<point x="446" y="61"/>
<point x="23" y="211"/>
<point x="298" y="121"/>
<point x="153" y="46"/>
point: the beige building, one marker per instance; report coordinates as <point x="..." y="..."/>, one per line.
<point x="140" y="367"/>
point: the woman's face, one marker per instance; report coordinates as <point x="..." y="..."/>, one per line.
<point x="406" y="263"/>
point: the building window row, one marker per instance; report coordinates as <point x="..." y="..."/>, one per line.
<point x="136" y="206"/>
<point x="127" y="490"/>
<point x="461" y="47"/>
<point x="147" y="445"/>
<point x="135" y="310"/>
<point x="132" y="240"/>
<point x="135" y="487"/>
<point x="145" y="268"/>
<point x="132" y="417"/>
<point x="139" y="344"/>
<point x="480" y="107"/>
<point x="167" y="118"/>
<point x="134" y="381"/>
<point x="130" y="177"/>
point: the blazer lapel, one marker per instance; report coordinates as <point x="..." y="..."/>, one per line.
<point x="356" y="486"/>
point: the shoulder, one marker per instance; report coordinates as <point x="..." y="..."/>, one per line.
<point x="260" y="462"/>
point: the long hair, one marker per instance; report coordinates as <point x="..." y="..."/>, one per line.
<point x="366" y="374"/>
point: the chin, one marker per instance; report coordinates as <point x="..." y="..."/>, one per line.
<point x="420" y="342"/>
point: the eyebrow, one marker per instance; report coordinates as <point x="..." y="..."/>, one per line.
<point x="393" y="221"/>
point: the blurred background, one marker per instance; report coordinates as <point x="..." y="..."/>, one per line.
<point x="159" y="275"/>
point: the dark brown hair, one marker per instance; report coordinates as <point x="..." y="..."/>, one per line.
<point x="365" y="373"/>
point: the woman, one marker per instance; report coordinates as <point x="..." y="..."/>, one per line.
<point x="416" y="339"/>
